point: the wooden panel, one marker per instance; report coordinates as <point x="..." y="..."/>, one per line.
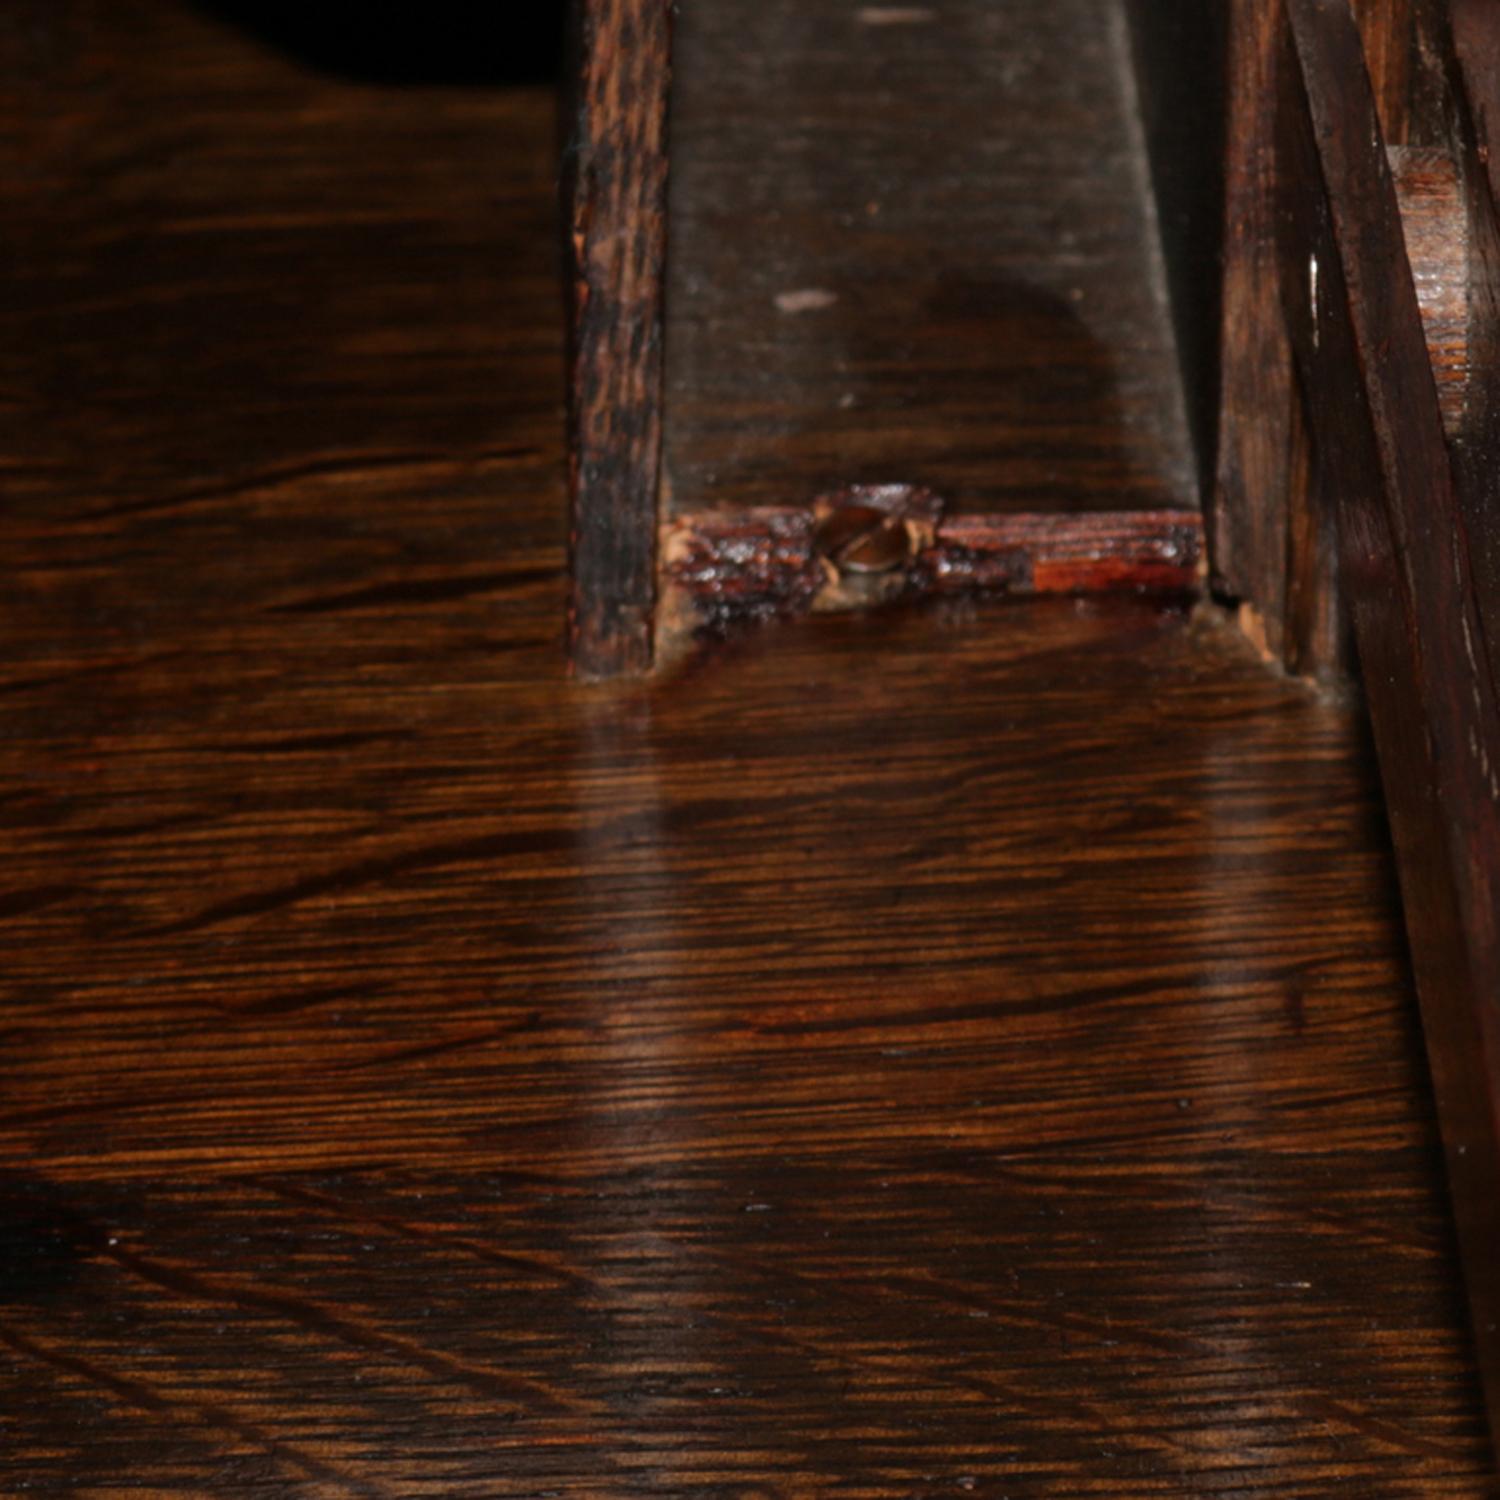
<point x="616" y="177"/>
<point x="1419" y="615"/>
<point x="914" y="244"/>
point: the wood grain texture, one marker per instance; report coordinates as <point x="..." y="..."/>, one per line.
<point x="1471" y="119"/>
<point x="915" y="244"/>
<point x="1387" y="30"/>
<point x="1272" y="539"/>
<point x="1420" y="613"/>
<point x="959" y="1051"/>
<point x="1266" y="541"/>
<point x="724" y="567"/>
<point x="1435" y="227"/>
<point x="616" y="197"/>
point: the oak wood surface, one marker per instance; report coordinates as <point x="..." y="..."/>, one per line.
<point x="961" y="1051"/>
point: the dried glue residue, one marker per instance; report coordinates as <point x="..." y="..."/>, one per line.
<point x="808" y="299"/>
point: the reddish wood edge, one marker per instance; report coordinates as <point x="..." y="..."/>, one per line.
<point x="723" y="566"/>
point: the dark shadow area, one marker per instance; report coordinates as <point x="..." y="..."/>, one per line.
<point x="43" y="1239"/>
<point x="1181" y="56"/>
<point x="439" y="42"/>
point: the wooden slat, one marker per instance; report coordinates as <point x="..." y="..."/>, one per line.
<point x="616" y="212"/>
<point x="1386" y="31"/>
<point x="1430" y="195"/>
<point x="1267" y="548"/>
<point x="1418" y="611"/>
<point x="1473" y="141"/>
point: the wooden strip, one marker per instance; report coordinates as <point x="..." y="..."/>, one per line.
<point x="723" y="566"/>
<point x="616" y="212"/>
<point x="1247" y="517"/>
<point x="1267" y="549"/>
<point x="1386" y="30"/>
<point x="1360" y="347"/>
<point x="1108" y="552"/>
<point x="1431" y="198"/>
<point x="1474" y="138"/>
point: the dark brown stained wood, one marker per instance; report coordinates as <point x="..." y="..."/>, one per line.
<point x="914" y="244"/>
<point x="954" y="1051"/>
<point x="1434" y="223"/>
<point x="1265" y="543"/>
<point x="1418" y="611"/>
<point x="1388" y="34"/>
<point x="1272" y="544"/>
<point x="1315" y="633"/>
<point x="615" y="191"/>
<point x="722" y="566"/>
<point x="1477" y="51"/>
<point x="1472" y="118"/>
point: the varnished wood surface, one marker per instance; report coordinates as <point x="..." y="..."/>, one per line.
<point x="914" y="244"/>
<point x="1472" y="115"/>
<point x="615" y="194"/>
<point x="1271" y="544"/>
<point x="1434" y="226"/>
<point x="1422" y="616"/>
<point x="937" y="1053"/>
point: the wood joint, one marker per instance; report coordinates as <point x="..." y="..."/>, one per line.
<point x="721" y="567"/>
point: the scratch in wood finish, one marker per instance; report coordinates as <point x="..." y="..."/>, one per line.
<point x="215" y="1418"/>
<point x="335" y="1324"/>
